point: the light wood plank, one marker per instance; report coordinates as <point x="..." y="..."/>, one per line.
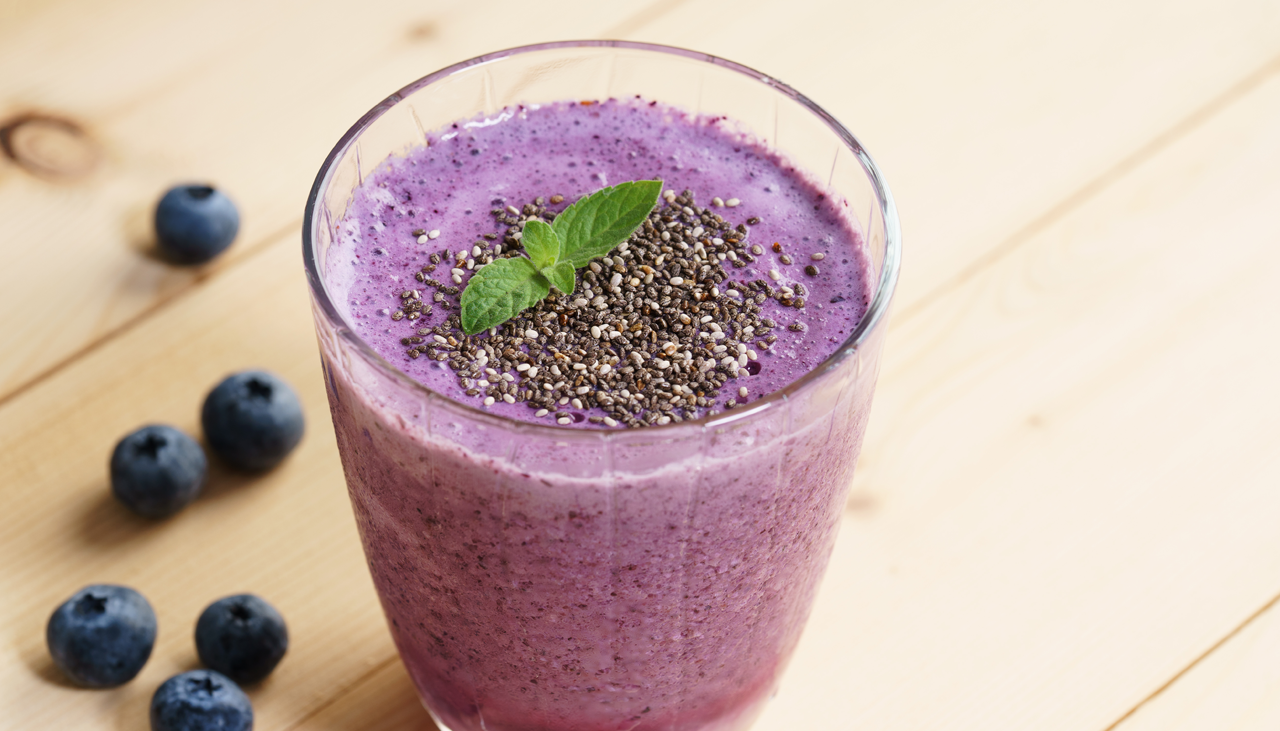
<point x="385" y="699"/>
<point x="986" y="116"/>
<point x="1057" y="556"/>
<point x="245" y="94"/>
<point x="287" y="535"/>
<point x="1072" y="462"/>
<point x="251" y="96"/>
<point x="1236" y="688"/>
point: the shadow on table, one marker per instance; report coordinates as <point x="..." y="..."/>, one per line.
<point x="225" y="480"/>
<point x="42" y="666"/>
<point x="105" y="521"/>
<point x="126" y="705"/>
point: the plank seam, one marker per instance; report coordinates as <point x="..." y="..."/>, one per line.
<point x="1096" y="187"/>
<point x="196" y="285"/>
<point x="342" y="693"/>
<point x="1181" y="673"/>
<point x="659" y="9"/>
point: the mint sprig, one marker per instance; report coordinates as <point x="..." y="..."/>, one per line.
<point x="541" y="244"/>
<point x="586" y="230"/>
<point x="591" y="227"/>
<point x="499" y="291"/>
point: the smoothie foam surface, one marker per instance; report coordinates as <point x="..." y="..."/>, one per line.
<point x="450" y="187"/>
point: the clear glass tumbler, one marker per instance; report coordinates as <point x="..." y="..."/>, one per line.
<point x="537" y="577"/>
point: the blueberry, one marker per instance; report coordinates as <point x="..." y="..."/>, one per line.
<point x="252" y="420"/>
<point x="102" y="636"/>
<point x="157" y="471"/>
<point x="242" y="637"/>
<point x="195" y="223"/>
<point x="200" y="700"/>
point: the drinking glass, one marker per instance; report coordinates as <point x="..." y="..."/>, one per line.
<point x="543" y="577"/>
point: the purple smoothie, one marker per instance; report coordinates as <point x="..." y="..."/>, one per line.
<point x="571" y="149"/>
<point x="598" y="580"/>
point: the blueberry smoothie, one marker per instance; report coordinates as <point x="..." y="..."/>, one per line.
<point x="622" y="565"/>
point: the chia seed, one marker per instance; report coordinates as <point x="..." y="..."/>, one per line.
<point x="652" y="334"/>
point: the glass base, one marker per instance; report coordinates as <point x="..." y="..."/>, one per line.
<point x="740" y="721"/>
<point x="434" y="718"/>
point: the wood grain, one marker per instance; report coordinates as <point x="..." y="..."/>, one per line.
<point x="251" y="96"/>
<point x="286" y="535"/>
<point x="1234" y="688"/>
<point x="1067" y="498"/>
<point x="1073" y="459"/>
<point x="247" y="95"/>
<point x="985" y="116"/>
<point x="1007" y="582"/>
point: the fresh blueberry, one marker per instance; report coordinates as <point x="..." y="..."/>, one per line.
<point x="242" y="637"/>
<point x="195" y="223"/>
<point x="252" y="420"/>
<point x="200" y="700"/>
<point x="157" y="471"/>
<point x="102" y="636"/>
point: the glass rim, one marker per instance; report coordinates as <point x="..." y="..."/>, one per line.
<point x="875" y="313"/>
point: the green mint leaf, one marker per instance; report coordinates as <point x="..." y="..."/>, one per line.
<point x="498" y="292"/>
<point x="591" y="227"/>
<point x="587" y="230"/>
<point x="541" y="243"/>
<point x="560" y="276"/>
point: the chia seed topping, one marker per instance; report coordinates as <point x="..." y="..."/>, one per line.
<point x="651" y="335"/>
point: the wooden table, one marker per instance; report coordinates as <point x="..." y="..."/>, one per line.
<point x="1067" y="513"/>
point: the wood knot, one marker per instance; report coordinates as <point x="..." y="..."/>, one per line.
<point x="861" y="502"/>
<point x="424" y="31"/>
<point x="48" y="146"/>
